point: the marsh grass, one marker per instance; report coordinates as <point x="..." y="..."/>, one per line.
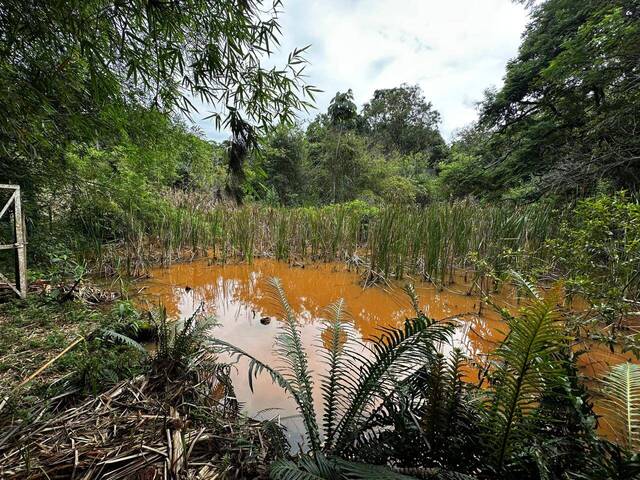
<point x="433" y="243"/>
<point x="437" y="241"/>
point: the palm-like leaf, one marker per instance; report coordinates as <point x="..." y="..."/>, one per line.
<point x="360" y="377"/>
<point x="319" y="467"/>
<point x="363" y="471"/>
<point x="256" y="367"/>
<point x="120" y="338"/>
<point x="291" y="352"/>
<point x="410" y="290"/>
<point x="527" y="286"/>
<point x="367" y="380"/>
<point x="621" y="389"/>
<point x="288" y="470"/>
<point x="526" y="369"/>
<point x="338" y="333"/>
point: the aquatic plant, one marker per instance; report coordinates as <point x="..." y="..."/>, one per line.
<point x="436" y="242"/>
<point x="526" y="369"/>
<point x="398" y="406"/>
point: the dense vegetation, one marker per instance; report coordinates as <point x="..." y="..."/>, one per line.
<point x="541" y="191"/>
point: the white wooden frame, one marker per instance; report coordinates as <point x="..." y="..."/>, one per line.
<point x="20" y="242"/>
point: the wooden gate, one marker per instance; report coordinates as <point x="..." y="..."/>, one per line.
<point x="19" y="245"/>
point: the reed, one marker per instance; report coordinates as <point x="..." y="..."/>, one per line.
<point x="434" y="243"/>
<point x="438" y="241"/>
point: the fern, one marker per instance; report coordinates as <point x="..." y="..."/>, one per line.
<point x="621" y="389"/>
<point x="363" y="471"/>
<point x="288" y="470"/>
<point x="354" y="388"/>
<point x="119" y="338"/>
<point x="291" y="352"/>
<point x="320" y="467"/>
<point x="368" y="380"/>
<point x="527" y="369"/>
<point x="526" y="285"/>
<point x="295" y="378"/>
<point x="410" y="290"/>
<point x="338" y="335"/>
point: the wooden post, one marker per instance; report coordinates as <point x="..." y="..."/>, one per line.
<point x="19" y="241"/>
<point x="21" y="245"/>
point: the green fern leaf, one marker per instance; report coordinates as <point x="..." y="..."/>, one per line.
<point x="526" y="370"/>
<point x="367" y="380"/>
<point x="621" y="389"/>
<point x="292" y="354"/>
<point x="338" y="334"/>
<point x="119" y="338"/>
<point x="288" y="470"/>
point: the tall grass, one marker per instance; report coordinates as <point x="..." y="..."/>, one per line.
<point x="433" y="242"/>
<point x="437" y="241"/>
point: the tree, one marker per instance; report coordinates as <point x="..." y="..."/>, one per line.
<point x="401" y="119"/>
<point x="567" y="114"/>
<point x="283" y="155"/>
<point x="343" y="112"/>
<point x="337" y="162"/>
<point x="63" y="61"/>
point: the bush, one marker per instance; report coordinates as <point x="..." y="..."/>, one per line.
<point x="599" y="250"/>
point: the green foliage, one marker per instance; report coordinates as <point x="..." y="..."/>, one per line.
<point x="178" y="341"/>
<point x="598" y="247"/>
<point x="102" y="362"/>
<point x="338" y="164"/>
<point x="462" y="174"/>
<point x="434" y="241"/>
<point x="526" y="369"/>
<point x="401" y="119"/>
<point x="621" y="389"/>
<point x="560" y="121"/>
<point x="355" y="386"/>
<point x="436" y="413"/>
<point x="342" y="112"/>
<point x="62" y="63"/>
<point x="280" y="166"/>
<point x="343" y="155"/>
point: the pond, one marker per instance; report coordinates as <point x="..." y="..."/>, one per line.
<point x="238" y="296"/>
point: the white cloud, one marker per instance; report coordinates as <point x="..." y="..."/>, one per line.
<point x="453" y="49"/>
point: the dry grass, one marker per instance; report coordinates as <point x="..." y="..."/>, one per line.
<point x="145" y="428"/>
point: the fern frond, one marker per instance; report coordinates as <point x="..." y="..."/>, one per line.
<point x="395" y="354"/>
<point x="256" y="367"/>
<point x="189" y="335"/>
<point x="288" y="345"/>
<point x="119" y="338"/>
<point x="454" y="386"/>
<point x="309" y="467"/>
<point x="526" y="370"/>
<point x="363" y="471"/>
<point x="288" y="470"/>
<point x="621" y="389"/>
<point x="525" y="285"/>
<point x="410" y="290"/>
<point x="338" y="334"/>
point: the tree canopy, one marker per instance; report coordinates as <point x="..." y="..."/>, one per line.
<point x="63" y="62"/>
<point x="567" y="115"/>
<point x="402" y="119"/>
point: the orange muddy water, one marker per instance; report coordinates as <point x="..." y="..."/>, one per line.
<point x="237" y="295"/>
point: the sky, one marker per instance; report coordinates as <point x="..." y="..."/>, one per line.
<point x="453" y="49"/>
